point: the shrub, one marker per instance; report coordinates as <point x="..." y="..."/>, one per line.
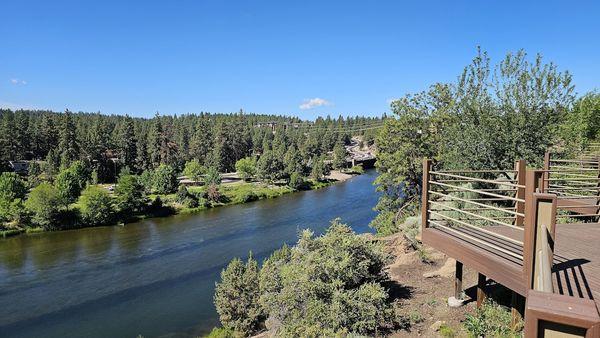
<point x="96" y="206"/>
<point x="357" y="169"/>
<point x="165" y="180"/>
<point x="491" y="320"/>
<point x="237" y="296"/>
<point x="221" y="332"/>
<point x="212" y="193"/>
<point x="182" y="194"/>
<point x="245" y="197"/>
<point x="328" y="286"/>
<point x="43" y="202"/>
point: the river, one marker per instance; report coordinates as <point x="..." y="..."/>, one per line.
<point x="156" y="277"/>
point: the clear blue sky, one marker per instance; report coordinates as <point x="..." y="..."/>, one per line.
<point x="271" y="56"/>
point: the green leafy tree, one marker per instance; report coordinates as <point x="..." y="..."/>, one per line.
<point x="237" y="296"/>
<point x="246" y="168"/>
<point x="165" y="179"/>
<point x="43" y="203"/>
<point x="194" y="170"/>
<point x="582" y="123"/>
<point x="96" y="206"/>
<point x="12" y="193"/>
<point x="130" y="194"/>
<point x="71" y="181"/>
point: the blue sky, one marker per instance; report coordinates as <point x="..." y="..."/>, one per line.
<point x="304" y="58"/>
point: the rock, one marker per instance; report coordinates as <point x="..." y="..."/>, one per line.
<point x="437" y="325"/>
<point x="454" y="302"/>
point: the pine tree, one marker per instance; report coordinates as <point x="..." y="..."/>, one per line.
<point x="68" y="146"/>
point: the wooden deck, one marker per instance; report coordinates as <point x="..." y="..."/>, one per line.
<point x="576" y="270"/>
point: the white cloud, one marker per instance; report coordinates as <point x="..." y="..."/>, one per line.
<point x="313" y="103"/>
<point x="18" y="82"/>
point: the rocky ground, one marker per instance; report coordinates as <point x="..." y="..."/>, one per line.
<point x="426" y="280"/>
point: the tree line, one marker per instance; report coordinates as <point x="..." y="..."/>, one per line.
<point x="69" y="154"/>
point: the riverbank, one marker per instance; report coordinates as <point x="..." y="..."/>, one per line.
<point x="164" y="205"/>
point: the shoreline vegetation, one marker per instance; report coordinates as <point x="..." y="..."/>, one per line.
<point x="232" y="193"/>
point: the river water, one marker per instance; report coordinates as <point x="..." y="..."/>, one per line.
<point x="156" y="277"/>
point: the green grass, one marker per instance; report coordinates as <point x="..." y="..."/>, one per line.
<point x="491" y="320"/>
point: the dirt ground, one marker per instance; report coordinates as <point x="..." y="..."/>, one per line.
<point x="424" y="288"/>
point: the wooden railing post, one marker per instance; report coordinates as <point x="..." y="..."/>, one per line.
<point x="520" y="167"/>
<point x="538" y="244"/>
<point x="425" y="194"/>
<point x="546" y="175"/>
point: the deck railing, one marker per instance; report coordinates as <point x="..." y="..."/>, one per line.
<point x="576" y="183"/>
<point x="473" y="203"/>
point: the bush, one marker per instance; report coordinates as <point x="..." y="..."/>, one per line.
<point x="237" y="296"/>
<point x="165" y="180"/>
<point x="491" y="320"/>
<point x="212" y="193"/>
<point x="96" y="206"/>
<point x="245" y="197"/>
<point x="357" y="169"/>
<point x="328" y="286"/>
<point x="221" y="332"/>
<point x="71" y="181"/>
<point x="43" y="202"/>
<point x="182" y="194"/>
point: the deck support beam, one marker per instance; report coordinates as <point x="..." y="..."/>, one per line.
<point x="481" y="289"/>
<point x="458" y="279"/>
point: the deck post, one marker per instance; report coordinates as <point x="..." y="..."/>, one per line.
<point x="539" y="235"/>
<point x="545" y="186"/>
<point x="521" y="168"/>
<point x="425" y="194"/>
<point x="481" y="290"/>
<point x="458" y="278"/>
